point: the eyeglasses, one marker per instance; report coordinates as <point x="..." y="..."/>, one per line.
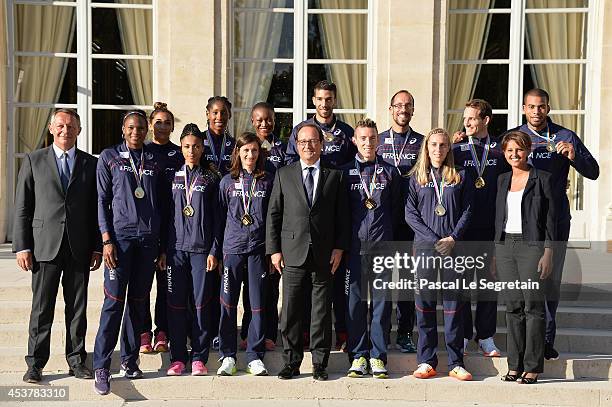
<point x="312" y="142"/>
<point x="400" y="106"/>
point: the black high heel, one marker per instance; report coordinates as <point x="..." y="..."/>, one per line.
<point x="529" y="380"/>
<point x="511" y="377"/>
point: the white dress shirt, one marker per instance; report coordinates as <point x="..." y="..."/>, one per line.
<point x="59" y="157"/>
<point x="315" y="175"/>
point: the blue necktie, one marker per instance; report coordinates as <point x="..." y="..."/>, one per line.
<point x="65" y="172"/>
<point x="309" y="185"/>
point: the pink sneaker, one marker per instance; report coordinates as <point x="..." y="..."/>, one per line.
<point x="145" y="343"/>
<point x="161" y="343"/>
<point x="270" y="345"/>
<point x="198" y="368"/>
<point x="176" y="369"/>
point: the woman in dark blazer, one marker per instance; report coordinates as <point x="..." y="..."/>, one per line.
<point x="524" y="230"/>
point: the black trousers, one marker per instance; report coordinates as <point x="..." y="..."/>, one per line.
<point x="46" y="276"/>
<point x="296" y="282"/>
<point x="525" y="320"/>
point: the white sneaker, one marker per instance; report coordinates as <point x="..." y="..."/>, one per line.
<point x="228" y="367"/>
<point x="377" y="366"/>
<point x="359" y="368"/>
<point x="466" y="342"/>
<point x="257" y="368"/>
<point x="488" y="348"/>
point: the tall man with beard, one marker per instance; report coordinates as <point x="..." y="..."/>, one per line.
<point x="399" y="146"/>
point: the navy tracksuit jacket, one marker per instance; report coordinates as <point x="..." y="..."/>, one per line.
<point x="191" y="239"/>
<point x="217" y="154"/>
<point x="337" y="152"/>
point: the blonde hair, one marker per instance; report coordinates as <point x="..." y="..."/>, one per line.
<point x="423" y="164"/>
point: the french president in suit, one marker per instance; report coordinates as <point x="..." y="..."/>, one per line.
<point x="307" y="231"/>
<point x="56" y="237"/>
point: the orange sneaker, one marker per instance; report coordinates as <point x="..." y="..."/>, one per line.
<point x="460" y="373"/>
<point x="424" y="371"/>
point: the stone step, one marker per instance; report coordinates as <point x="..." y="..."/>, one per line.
<point x="489" y="390"/>
<point x="573" y="340"/>
<point x="95" y="291"/>
<point x="14" y="311"/>
<point x="568" y="366"/>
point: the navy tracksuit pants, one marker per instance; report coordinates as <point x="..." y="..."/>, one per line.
<point x="237" y="268"/>
<point x="271" y="308"/>
<point x="133" y="276"/>
<point x="161" y="314"/>
<point x="553" y="283"/>
<point x="187" y="277"/>
<point x="486" y="304"/>
<point x="426" y="303"/>
<point x="357" y="288"/>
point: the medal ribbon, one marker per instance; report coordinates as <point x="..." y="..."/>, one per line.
<point x="547" y="138"/>
<point x="270" y="143"/>
<point x="137" y="173"/>
<point x="396" y="159"/>
<point x="214" y="150"/>
<point x="440" y="189"/>
<point x="480" y="165"/>
<point x="331" y="131"/>
<point x="189" y="186"/>
<point x="247" y="204"/>
<point x="368" y="190"/>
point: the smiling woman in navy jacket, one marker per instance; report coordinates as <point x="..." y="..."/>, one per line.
<point x="132" y="203"/>
<point x="244" y="194"/>
<point x="193" y="249"/>
<point x="438" y="210"/>
<point x="524" y="232"/>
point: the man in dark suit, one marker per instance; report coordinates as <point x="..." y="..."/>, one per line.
<point x="56" y="236"/>
<point x="308" y="229"/>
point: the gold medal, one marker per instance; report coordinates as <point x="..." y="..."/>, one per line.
<point x="139" y="193"/>
<point x="247" y="219"/>
<point x="440" y="210"/>
<point x="550" y="147"/>
<point x="329" y="137"/>
<point x="480" y="182"/>
<point x="370" y="204"/>
<point x="188" y="211"/>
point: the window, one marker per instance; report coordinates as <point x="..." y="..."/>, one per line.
<point x="511" y="47"/>
<point x="283" y="47"/>
<point x="96" y="57"/>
